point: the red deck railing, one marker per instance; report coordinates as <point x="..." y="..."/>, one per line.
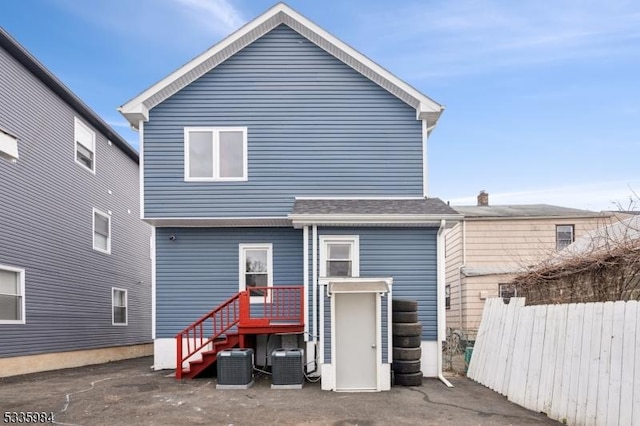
<point x="256" y="311"/>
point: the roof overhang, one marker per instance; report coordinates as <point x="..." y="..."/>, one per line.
<point x="138" y="108"/>
<point x="413" y="220"/>
<point x="218" y="222"/>
<point x="360" y="285"/>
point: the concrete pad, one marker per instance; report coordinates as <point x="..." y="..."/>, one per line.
<point x="129" y="392"/>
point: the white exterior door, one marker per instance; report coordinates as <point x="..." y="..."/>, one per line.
<point x="355" y="341"/>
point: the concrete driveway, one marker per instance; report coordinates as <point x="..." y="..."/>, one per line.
<point x="129" y="392"/>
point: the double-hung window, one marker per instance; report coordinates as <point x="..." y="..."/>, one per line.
<point x="11" y="295"/>
<point x="215" y="154"/>
<point x="119" y="306"/>
<point x="564" y="236"/>
<point x="256" y="268"/>
<point x="339" y="256"/>
<point x="85" y="144"/>
<point x="101" y="231"/>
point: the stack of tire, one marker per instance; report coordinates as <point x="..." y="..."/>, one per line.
<point x="407" y="332"/>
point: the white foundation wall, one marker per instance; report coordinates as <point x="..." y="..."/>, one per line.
<point x="429" y="360"/>
<point x="164" y="354"/>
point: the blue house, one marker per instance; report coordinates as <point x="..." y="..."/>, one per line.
<point x="285" y="176"/>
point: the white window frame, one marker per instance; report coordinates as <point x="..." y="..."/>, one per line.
<point x="573" y="235"/>
<point x="78" y="123"/>
<point x="216" y="158"/>
<point x="353" y="240"/>
<point x="93" y="229"/>
<point x="126" y="306"/>
<point x="21" y="286"/>
<point x="242" y="248"/>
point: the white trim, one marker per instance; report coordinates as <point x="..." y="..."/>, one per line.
<point x="354" y="240"/>
<point x="141" y="166"/>
<point x="21" y="284"/>
<point x="93" y="229"/>
<point x="215" y="137"/>
<point x="242" y="266"/>
<point x="79" y="123"/>
<point x="425" y="157"/>
<point x="299" y="220"/>
<point x="305" y="280"/>
<point x="153" y="283"/>
<point x="137" y="108"/>
<point x="126" y="306"/>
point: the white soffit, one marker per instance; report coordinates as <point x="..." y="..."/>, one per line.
<point x="8" y="146"/>
<point x="138" y="107"/>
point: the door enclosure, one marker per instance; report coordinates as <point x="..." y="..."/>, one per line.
<point x="356" y="336"/>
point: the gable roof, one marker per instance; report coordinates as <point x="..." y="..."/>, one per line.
<point x="20" y="54"/>
<point x="138" y="108"/>
<point x="524" y="211"/>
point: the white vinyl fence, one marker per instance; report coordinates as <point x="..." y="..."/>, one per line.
<point x="578" y="363"/>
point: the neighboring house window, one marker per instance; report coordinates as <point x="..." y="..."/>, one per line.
<point x="11" y="295"/>
<point x="564" y="236"/>
<point x="339" y="256"/>
<point x="85" y="146"/>
<point x="215" y="154"/>
<point x="507" y="291"/>
<point x="447" y="296"/>
<point x="8" y="146"/>
<point x="256" y="268"/>
<point x="119" y="306"/>
<point x="101" y="231"/>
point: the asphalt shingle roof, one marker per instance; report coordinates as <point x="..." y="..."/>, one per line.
<point x="431" y="206"/>
<point x="522" y="210"/>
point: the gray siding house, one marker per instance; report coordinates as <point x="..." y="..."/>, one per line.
<point x="282" y="158"/>
<point x="75" y="264"/>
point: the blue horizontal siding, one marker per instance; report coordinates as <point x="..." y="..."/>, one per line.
<point x="315" y="127"/>
<point x="199" y="269"/>
<point x="409" y="256"/>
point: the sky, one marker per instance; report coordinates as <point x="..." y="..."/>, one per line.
<point x="542" y="103"/>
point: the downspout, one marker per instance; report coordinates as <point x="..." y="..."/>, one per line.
<point x="314" y="273"/>
<point x="440" y="278"/>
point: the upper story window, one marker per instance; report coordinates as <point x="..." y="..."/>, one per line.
<point x="11" y="295"/>
<point x="564" y="236"/>
<point x="256" y="268"/>
<point x="8" y="146"/>
<point x="85" y="142"/>
<point x="215" y="154"/>
<point x="101" y="231"/>
<point x="339" y="256"/>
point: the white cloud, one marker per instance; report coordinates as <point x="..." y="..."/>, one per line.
<point x="218" y="16"/>
<point x="471" y="36"/>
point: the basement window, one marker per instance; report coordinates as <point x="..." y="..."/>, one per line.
<point x="119" y="306"/>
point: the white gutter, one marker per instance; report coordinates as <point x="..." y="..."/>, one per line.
<point x="440" y="306"/>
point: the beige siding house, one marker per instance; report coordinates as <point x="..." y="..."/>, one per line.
<point x="492" y="243"/>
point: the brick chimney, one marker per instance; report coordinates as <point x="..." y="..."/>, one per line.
<point x="483" y="198"/>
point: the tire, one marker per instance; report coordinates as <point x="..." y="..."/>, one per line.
<point x="399" y="316"/>
<point x="410" y="379"/>
<point x="406" y="341"/>
<point x="406" y="367"/>
<point x="407" y="329"/>
<point x="404" y="305"/>
<point x="407" y="354"/>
